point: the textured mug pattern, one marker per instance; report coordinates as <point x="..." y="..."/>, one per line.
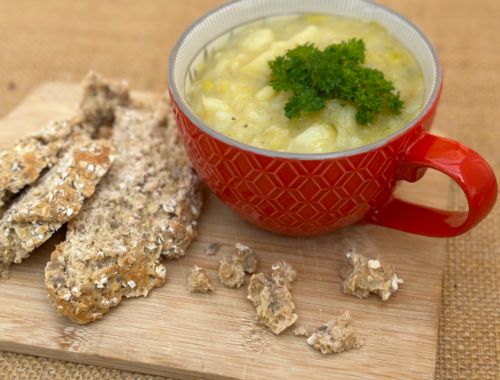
<point x="297" y="197"/>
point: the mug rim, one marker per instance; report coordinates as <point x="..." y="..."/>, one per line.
<point x="300" y="156"/>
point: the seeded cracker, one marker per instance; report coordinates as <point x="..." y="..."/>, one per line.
<point x="363" y="276"/>
<point x="21" y="164"/>
<point x="198" y="281"/>
<point x="144" y="208"/>
<point x="52" y="201"/>
<point x="56" y="197"/>
<point x="273" y="302"/>
<point x="336" y="336"/>
<point x="61" y="193"/>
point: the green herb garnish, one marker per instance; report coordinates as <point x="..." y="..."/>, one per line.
<point x="315" y="76"/>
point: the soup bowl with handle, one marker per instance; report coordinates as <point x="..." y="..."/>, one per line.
<point x="308" y="194"/>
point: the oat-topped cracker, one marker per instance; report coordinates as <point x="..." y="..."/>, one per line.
<point x="144" y="209"/>
<point x="58" y="195"/>
<point x="59" y="168"/>
<point x="21" y="164"/>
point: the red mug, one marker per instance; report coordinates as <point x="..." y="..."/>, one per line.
<point x="308" y="194"/>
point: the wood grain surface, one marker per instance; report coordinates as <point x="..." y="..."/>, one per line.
<point x="215" y="336"/>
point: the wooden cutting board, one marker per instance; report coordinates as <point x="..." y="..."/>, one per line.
<point x="215" y="336"/>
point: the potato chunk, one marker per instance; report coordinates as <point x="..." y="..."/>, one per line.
<point x="317" y="138"/>
<point x="277" y="138"/>
<point x="213" y="104"/>
<point x="259" y="40"/>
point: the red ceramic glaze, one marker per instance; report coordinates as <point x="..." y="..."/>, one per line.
<point x="298" y="197"/>
<point x="297" y="194"/>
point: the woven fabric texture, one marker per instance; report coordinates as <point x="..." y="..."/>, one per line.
<point x="62" y="40"/>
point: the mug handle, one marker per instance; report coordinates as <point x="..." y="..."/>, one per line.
<point x="467" y="168"/>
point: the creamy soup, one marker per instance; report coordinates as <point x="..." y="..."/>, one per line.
<point x="232" y="95"/>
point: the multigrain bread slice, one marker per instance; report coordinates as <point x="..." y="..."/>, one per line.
<point x="56" y="197"/>
<point x="22" y="163"/>
<point x="144" y="209"/>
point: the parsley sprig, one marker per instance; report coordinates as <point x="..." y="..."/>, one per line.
<point x="315" y="76"/>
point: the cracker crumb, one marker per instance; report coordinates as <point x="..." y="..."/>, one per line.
<point x="273" y="302"/>
<point x="231" y="274"/>
<point x="212" y="248"/>
<point x="301" y="331"/>
<point x="336" y="336"/>
<point x="284" y="273"/>
<point x="363" y="276"/>
<point x="244" y="256"/>
<point x="198" y="281"/>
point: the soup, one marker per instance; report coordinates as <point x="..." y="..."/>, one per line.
<point x="232" y="93"/>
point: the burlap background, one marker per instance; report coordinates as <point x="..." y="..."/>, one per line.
<point x="61" y="40"/>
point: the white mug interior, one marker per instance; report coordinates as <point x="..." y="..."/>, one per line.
<point x="203" y="38"/>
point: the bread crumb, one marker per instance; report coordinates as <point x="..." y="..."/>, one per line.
<point x="273" y="302"/>
<point x="212" y="248"/>
<point x="231" y="274"/>
<point x="198" y="281"/>
<point x="285" y="273"/>
<point x="336" y="336"/>
<point x="363" y="276"/>
<point x="244" y="256"/>
<point x="301" y="331"/>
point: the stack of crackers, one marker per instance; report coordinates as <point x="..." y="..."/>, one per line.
<point x="118" y="175"/>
